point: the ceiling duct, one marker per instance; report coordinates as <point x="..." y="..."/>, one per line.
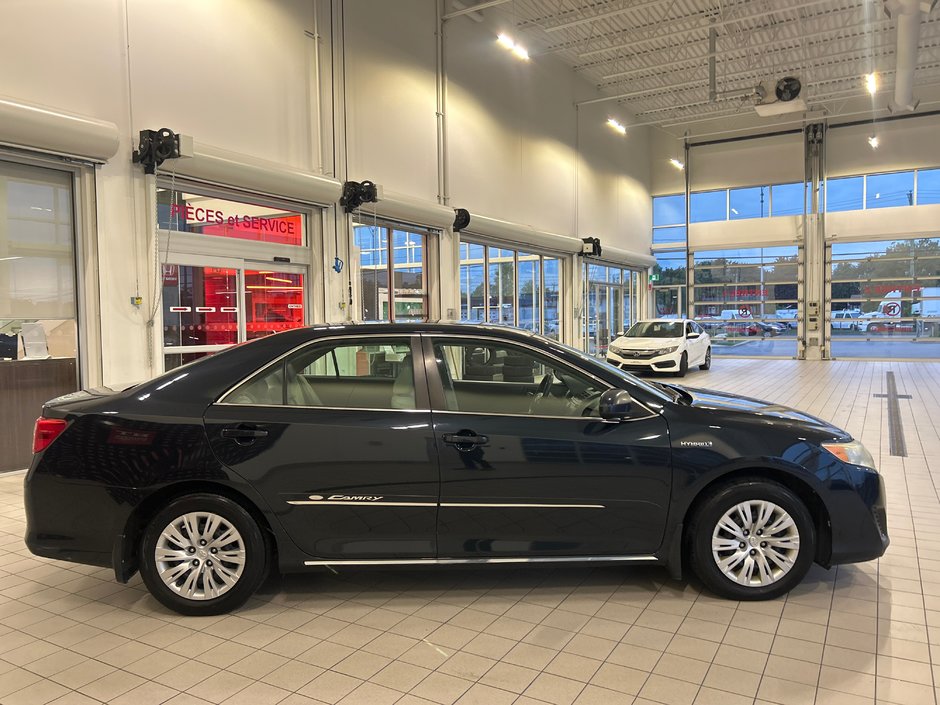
<point x="909" y="15"/>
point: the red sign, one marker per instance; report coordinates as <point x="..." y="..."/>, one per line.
<point x="744" y="312"/>
<point x="171" y="275"/>
<point x="892" y="310"/>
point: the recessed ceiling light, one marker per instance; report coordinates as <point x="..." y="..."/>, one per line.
<point x="617" y="126"/>
<point x="871" y="83"/>
<point x="519" y="51"/>
<point x="873" y="141"/>
<point x="677" y="164"/>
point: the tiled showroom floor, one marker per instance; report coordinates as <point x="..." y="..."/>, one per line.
<point x="853" y="635"/>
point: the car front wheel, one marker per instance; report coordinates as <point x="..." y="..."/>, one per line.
<point x="683" y="365"/>
<point x="203" y="554"/>
<point x="706" y="365"/>
<point x="752" y="540"/>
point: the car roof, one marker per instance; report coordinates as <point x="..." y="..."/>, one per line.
<point x="439" y="326"/>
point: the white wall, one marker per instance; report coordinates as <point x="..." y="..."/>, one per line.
<point x="238" y="75"/>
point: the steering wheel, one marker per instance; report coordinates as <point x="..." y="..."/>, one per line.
<point x="542" y="391"/>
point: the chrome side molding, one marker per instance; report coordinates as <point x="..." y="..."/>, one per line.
<point x="461" y="561"/>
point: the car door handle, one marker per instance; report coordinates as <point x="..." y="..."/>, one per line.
<point x="465" y="440"/>
<point x="243" y="434"/>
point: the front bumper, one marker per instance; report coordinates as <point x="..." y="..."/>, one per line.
<point x="658" y="363"/>
<point x="858" y="519"/>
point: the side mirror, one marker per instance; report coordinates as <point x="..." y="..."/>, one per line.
<point x="693" y="336"/>
<point x="615" y="404"/>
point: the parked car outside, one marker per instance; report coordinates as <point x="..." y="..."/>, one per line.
<point x="846" y="319"/>
<point x="347" y="446"/>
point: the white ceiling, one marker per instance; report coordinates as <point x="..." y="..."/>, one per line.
<point x="653" y="54"/>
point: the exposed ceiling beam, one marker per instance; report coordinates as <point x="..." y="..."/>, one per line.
<point x="475" y="8"/>
<point x="607" y="14"/>
<point x="704" y="27"/>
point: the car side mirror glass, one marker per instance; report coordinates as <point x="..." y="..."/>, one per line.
<point x="692" y="336"/>
<point x="615" y="404"/>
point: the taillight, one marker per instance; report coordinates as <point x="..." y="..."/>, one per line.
<point x="46" y="431"/>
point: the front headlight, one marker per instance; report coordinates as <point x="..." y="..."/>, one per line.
<point x="666" y="351"/>
<point x="852" y="452"/>
<point x="614" y="349"/>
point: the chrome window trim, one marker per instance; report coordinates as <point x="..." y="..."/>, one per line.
<point x="459" y="561"/>
<point x="349" y="336"/>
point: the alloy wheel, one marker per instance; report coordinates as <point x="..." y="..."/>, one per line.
<point x="200" y="555"/>
<point x="755" y="543"/>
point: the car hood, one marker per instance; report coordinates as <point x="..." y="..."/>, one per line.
<point x="723" y="401"/>
<point x="645" y="343"/>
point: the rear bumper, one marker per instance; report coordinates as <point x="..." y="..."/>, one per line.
<point x="74" y="521"/>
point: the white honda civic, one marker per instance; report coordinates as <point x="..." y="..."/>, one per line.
<point x="662" y="345"/>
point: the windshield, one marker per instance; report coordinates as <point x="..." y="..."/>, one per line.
<point x="655" y="329"/>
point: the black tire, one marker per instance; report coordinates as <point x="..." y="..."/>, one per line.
<point x="252" y="540"/>
<point x="707" y="365"/>
<point x="683" y="365"/>
<point x="724" y="499"/>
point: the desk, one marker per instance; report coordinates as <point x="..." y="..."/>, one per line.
<point x="24" y="386"/>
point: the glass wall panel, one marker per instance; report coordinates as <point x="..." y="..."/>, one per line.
<point x="885" y="298"/>
<point x="38" y="308"/>
<point x="200" y="305"/>
<point x="274" y="301"/>
<point x="746" y="299"/>
<point x="887" y="190"/>
<point x="708" y="205"/>
<point x="749" y="202"/>
<point x="669" y="210"/>
<point x="528" y="278"/>
<point x="501" y="285"/>
<point x="787" y="199"/>
<point x="928" y="186"/>
<point x="669" y="285"/>
<point x="845" y="194"/>
<point x="472" y="282"/>
<point x="551" y="276"/>
<point x="610" y="302"/>
<point x="392" y="273"/>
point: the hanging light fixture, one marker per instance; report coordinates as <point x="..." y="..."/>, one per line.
<point x="507" y="42"/>
<point x="677" y="164"/>
<point x="873" y="141"/>
<point x="871" y="83"/>
<point x="617" y="126"/>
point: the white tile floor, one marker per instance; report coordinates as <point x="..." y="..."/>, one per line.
<point x="850" y="636"/>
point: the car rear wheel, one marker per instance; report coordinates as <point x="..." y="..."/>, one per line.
<point x="752" y="540"/>
<point x="683" y="365"/>
<point x="203" y="554"/>
<point x="706" y="365"/>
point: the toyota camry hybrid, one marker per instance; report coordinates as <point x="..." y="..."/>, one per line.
<point x="438" y="444"/>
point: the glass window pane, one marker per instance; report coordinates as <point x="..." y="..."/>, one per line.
<point x="928" y="186"/>
<point x="208" y="215"/>
<point x="844" y="194"/>
<point x="886" y="190"/>
<point x="502" y="286"/>
<point x="669" y="236"/>
<point x="469" y="370"/>
<point x="411" y="290"/>
<point x="372" y="242"/>
<point x="37" y="262"/>
<point x="787" y="199"/>
<point x="529" y="292"/>
<point x="707" y="206"/>
<point x="551" y="276"/>
<point x="750" y="202"/>
<point x="200" y="306"/>
<point x="669" y="210"/>
<point x="371" y="374"/>
<point x="274" y="302"/>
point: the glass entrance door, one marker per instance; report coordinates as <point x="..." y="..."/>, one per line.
<point x="212" y="303"/>
<point x="669" y="301"/>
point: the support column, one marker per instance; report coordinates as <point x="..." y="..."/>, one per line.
<point x="813" y="332"/>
